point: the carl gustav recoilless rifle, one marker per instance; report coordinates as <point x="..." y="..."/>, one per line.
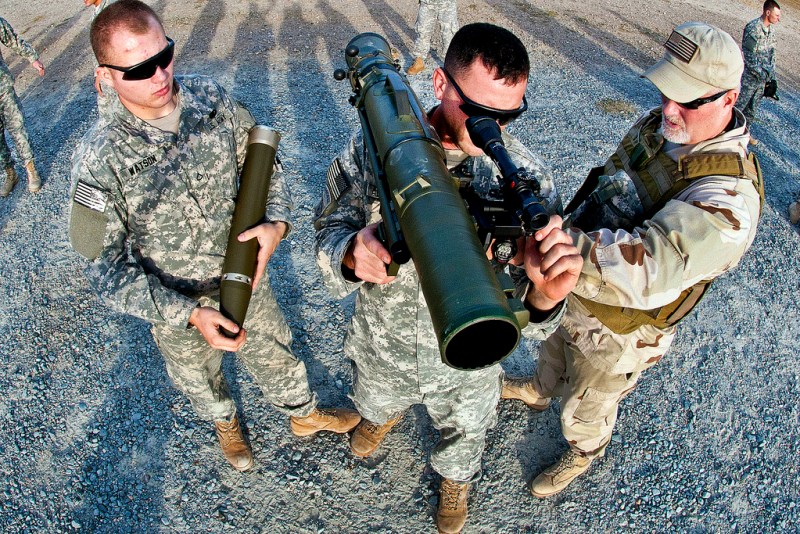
<point x="424" y="218"/>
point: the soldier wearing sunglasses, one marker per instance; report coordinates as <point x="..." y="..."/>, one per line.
<point x="153" y="193"/>
<point x="674" y="207"/>
<point x="391" y="339"/>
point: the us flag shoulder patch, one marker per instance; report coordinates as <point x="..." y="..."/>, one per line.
<point x="90" y="197"/>
<point x="336" y="182"/>
<point x="681" y="47"/>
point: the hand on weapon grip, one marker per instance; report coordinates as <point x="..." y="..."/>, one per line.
<point x="208" y="321"/>
<point x="269" y="236"/>
<point x="367" y="257"/>
<point x="553" y="265"/>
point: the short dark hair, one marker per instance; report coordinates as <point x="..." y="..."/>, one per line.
<point x="769" y="5"/>
<point x="498" y="49"/>
<point x="133" y="15"/>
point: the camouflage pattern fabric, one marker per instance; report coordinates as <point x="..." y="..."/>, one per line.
<point x="11" y="117"/>
<point x="167" y="203"/>
<point x="430" y="12"/>
<point x="100" y="7"/>
<point x="194" y="367"/>
<point x="758" y="48"/>
<point x="700" y="234"/>
<point x="390" y="338"/>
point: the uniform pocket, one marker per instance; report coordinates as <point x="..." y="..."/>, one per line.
<point x="596" y="405"/>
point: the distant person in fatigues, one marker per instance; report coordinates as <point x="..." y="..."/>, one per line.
<point x="99" y="5"/>
<point x="11" y="117"/>
<point x="154" y="183"/>
<point x="758" y="47"/>
<point x="430" y="12"/>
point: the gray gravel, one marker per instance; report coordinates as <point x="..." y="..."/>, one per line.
<point x="97" y="438"/>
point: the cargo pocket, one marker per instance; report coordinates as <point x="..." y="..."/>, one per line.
<point x="596" y="405"/>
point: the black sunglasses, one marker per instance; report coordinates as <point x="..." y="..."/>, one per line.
<point x="148" y="67"/>
<point x="697" y="102"/>
<point x="473" y="109"/>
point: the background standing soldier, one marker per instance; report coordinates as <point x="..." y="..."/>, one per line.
<point x="391" y="340"/>
<point x="99" y="5"/>
<point x="445" y="12"/>
<point x="154" y="187"/>
<point x="11" y="117"/>
<point x="758" y="47"/>
<point x="674" y="207"/>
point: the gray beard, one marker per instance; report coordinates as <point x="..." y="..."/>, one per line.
<point x="678" y="137"/>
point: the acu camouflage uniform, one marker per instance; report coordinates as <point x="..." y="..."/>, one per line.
<point x="390" y="339"/>
<point x="11" y="118"/>
<point x="639" y="262"/>
<point x="758" y="48"/>
<point x="162" y="207"/>
<point x="431" y="11"/>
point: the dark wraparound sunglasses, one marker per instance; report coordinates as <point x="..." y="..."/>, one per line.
<point x="473" y="109"/>
<point x="148" y="67"/>
<point x="697" y="102"/>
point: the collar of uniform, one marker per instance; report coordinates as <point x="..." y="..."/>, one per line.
<point x="454" y="157"/>
<point x="733" y="140"/>
<point x="195" y="109"/>
<point x="112" y="110"/>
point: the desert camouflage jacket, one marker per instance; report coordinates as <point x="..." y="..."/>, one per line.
<point x="701" y="233"/>
<point x="10" y="39"/>
<point x="394" y="318"/>
<point x="758" y="48"/>
<point x="166" y="201"/>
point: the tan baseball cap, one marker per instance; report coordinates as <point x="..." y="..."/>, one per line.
<point x="699" y="59"/>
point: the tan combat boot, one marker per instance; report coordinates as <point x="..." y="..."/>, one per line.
<point x="10" y="182"/>
<point x="330" y="420"/>
<point x="233" y="445"/>
<point x="452" y="513"/>
<point x="368" y="436"/>
<point x="521" y="389"/>
<point x="34" y="182"/>
<point x="556" y="477"/>
<point x="416" y="67"/>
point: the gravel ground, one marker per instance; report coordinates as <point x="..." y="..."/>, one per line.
<point x="97" y="438"/>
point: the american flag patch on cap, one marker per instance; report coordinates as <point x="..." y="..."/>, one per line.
<point x="681" y="47"/>
<point x="90" y="197"/>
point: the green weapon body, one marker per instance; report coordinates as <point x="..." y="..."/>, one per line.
<point x="425" y="218"/>
<point x="236" y="285"/>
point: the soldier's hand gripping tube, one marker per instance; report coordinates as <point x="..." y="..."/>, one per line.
<point x="239" y="267"/>
<point x="485" y="134"/>
<point x="471" y="314"/>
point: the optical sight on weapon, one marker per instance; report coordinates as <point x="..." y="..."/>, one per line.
<point x="521" y="211"/>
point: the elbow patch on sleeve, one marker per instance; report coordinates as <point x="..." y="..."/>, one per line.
<point x="88" y="221"/>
